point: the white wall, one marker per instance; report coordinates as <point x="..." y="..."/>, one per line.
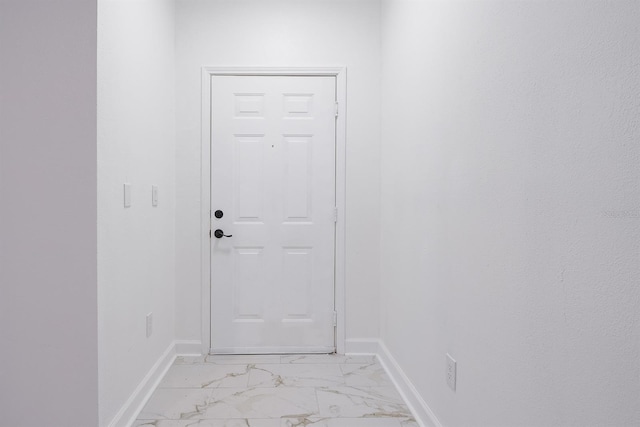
<point x="509" y="164"/>
<point x="48" y="309"/>
<point x="136" y="144"/>
<point x="283" y="33"/>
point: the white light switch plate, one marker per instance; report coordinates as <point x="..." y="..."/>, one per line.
<point x="149" y="324"/>
<point x="127" y="195"/>
<point x="451" y="372"/>
<point x="154" y="195"/>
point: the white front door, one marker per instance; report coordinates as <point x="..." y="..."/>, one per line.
<point x="273" y="181"/>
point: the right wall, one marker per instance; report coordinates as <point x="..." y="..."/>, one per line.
<point x="510" y="195"/>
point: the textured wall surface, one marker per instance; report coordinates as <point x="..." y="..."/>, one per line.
<point x="510" y="208"/>
<point x="283" y="33"/>
<point x="48" y="309"/>
<point x="136" y="144"/>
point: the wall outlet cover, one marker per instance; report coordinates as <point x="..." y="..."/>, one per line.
<point x="149" y="324"/>
<point x="127" y="195"/>
<point x="451" y="372"/>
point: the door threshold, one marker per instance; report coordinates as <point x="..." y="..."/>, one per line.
<point x="271" y="350"/>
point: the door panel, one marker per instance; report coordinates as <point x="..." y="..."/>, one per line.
<point x="249" y="177"/>
<point x="273" y="176"/>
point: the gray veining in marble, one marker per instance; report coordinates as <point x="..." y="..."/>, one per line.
<point x="296" y="375"/>
<point x="282" y="422"/>
<point x="369" y="375"/>
<point x="206" y="375"/>
<point x="327" y="358"/>
<point x="353" y="402"/>
<point x="276" y="391"/>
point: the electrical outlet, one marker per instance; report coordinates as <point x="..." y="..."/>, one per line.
<point x="451" y="372"/>
<point x="149" y="324"/>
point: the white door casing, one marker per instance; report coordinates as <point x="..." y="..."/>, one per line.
<point x="202" y="344"/>
<point x="273" y="159"/>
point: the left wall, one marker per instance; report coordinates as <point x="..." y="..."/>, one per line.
<point x="48" y="344"/>
<point x="136" y="245"/>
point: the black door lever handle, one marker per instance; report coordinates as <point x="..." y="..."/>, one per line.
<point x="220" y="234"/>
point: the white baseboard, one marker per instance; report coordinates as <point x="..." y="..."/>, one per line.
<point x="362" y="346"/>
<point x="188" y="348"/>
<point x="129" y="411"/>
<point x="421" y="411"/>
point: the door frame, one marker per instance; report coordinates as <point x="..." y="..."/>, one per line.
<point x="340" y="73"/>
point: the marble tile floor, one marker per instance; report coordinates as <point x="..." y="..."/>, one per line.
<point x="276" y="391"/>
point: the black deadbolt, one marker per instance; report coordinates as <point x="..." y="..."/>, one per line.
<point x="220" y="234"/>
<point x="218" y="214"/>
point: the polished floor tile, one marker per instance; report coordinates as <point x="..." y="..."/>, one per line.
<point x="237" y="422"/>
<point x="233" y="359"/>
<point x="369" y="375"/>
<point x="276" y="391"/>
<point x="228" y="403"/>
<point x="282" y="422"/>
<point x="355" y="402"/>
<point x="326" y="358"/>
<point x="292" y="375"/>
<point x="206" y="375"/>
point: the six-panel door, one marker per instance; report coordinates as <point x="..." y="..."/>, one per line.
<point x="273" y="177"/>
